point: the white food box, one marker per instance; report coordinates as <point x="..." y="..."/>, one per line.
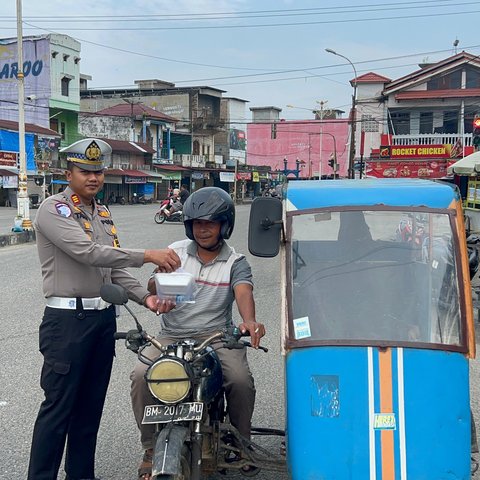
<point x="178" y="287"/>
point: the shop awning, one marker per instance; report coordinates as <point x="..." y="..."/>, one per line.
<point x="153" y="177"/>
<point x="469" y="165"/>
<point x="135" y="173"/>
<point x="7" y="173"/>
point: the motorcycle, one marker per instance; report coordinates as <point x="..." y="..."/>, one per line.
<point x="161" y="216"/>
<point x="138" y="199"/>
<point x="193" y="434"/>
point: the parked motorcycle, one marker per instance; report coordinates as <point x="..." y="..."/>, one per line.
<point x="138" y="199"/>
<point x="161" y="216"/>
<point x="119" y="199"/>
<point x="193" y="433"/>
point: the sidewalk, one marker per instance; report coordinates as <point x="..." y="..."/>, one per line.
<point x="7" y="237"/>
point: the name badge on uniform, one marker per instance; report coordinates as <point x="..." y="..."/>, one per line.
<point x="63" y="209"/>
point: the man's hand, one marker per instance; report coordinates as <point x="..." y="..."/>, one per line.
<point x="166" y="259"/>
<point x="256" y="330"/>
<point x="153" y="303"/>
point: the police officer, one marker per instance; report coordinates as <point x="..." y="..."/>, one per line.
<point x="79" y="252"/>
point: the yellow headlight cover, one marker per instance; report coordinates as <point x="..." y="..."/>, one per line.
<point x="168" y="392"/>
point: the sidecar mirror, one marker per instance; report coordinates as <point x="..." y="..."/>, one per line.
<point x="265" y="227"/>
<point x="114" y="294"/>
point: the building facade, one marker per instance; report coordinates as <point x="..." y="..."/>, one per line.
<point x="416" y="125"/>
<point x="274" y="142"/>
<point x="51" y="68"/>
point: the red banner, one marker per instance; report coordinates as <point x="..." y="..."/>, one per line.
<point x="8" y="159"/>
<point x="407" y="169"/>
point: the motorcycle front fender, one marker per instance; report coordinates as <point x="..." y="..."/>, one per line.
<point x="168" y="450"/>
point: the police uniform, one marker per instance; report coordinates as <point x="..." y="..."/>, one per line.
<point x="79" y="252"/>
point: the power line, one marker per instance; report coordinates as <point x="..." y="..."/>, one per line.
<point x="274" y="25"/>
<point x="336" y="10"/>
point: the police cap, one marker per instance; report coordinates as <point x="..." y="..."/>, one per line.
<point x="88" y="154"/>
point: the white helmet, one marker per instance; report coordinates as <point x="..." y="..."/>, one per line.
<point x="176" y="191"/>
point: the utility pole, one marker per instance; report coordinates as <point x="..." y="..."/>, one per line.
<point x="23" y="210"/>
<point x="321" y="103"/>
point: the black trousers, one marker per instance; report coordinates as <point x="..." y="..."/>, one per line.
<point x="78" y="349"/>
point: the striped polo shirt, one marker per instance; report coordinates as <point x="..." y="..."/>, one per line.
<point x="214" y="296"/>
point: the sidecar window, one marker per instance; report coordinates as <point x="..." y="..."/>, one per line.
<point x="372" y="276"/>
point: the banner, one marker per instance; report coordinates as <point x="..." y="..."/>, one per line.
<point x="9" y="142"/>
<point x="36" y="69"/>
<point x="407" y="169"/>
<point x="228" y="177"/>
<point x="8" y="159"/>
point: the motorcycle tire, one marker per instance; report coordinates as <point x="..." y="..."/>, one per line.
<point x="186" y="474"/>
<point x="121" y="201"/>
<point x="159" y="218"/>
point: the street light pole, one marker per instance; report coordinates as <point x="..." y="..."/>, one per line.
<point x="351" y="156"/>
<point x="23" y="211"/>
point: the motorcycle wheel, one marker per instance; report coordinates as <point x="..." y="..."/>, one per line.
<point x="121" y="201"/>
<point x="159" y="218"/>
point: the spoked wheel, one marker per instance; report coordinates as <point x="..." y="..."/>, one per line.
<point x="159" y="217"/>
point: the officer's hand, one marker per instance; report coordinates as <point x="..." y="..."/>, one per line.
<point x="153" y="303"/>
<point x="166" y="259"/>
<point x="256" y="331"/>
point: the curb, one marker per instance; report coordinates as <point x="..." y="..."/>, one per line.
<point x="17" y="238"/>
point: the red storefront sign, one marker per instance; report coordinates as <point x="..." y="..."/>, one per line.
<point x="244" y="175"/>
<point x="407" y="169"/>
<point x="8" y="159"/>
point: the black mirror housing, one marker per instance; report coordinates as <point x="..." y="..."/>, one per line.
<point x="265" y="227"/>
<point x="114" y="294"/>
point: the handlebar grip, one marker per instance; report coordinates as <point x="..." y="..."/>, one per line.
<point x="120" y="335"/>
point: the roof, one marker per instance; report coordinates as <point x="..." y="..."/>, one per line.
<point x="7" y="173"/>
<point x="425" y="73"/>
<point x="137" y="110"/>
<point x="271" y="107"/>
<point x="173" y="168"/>
<point x="29" y="128"/>
<point x="129" y="147"/>
<point x="136" y="91"/>
<point x="425" y="94"/>
<point x="392" y="192"/>
<point x="371" y="77"/>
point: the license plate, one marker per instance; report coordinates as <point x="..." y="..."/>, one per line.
<point x="183" y="412"/>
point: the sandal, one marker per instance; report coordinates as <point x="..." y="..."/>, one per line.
<point x="145" y="468"/>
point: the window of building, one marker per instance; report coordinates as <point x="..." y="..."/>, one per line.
<point x="452" y="80"/>
<point x="473" y="78"/>
<point x="65" y="86"/>
<point x="196" y="147"/>
<point x="450" y="122"/>
<point x="426" y="122"/>
<point x="400" y="122"/>
<point x="54" y="124"/>
<point x="369" y="124"/>
<point x="76" y="60"/>
<point x="66" y="57"/>
<point x="62" y="130"/>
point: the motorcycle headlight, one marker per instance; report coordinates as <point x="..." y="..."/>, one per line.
<point x="168" y="380"/>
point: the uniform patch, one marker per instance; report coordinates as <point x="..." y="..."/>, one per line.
<point x="75" y="199"/>
<point x="103" y="213"/>
<point x="87" y="225"/>
<point x="63" y="209"/>
<point x="114" y="230"/>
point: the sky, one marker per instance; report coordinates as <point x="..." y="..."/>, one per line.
<point x="269" y="52"/>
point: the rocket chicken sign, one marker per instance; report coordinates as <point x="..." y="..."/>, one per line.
<point x="413" y="161"/>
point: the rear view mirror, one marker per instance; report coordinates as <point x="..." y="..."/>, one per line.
<point x="265" y="227"/>
<point x="114" y="294"/>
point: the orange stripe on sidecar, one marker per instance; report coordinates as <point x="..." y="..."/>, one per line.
<point x="386" y="406"/>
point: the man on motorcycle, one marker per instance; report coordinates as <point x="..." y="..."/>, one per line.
<point x="222" y="276"/>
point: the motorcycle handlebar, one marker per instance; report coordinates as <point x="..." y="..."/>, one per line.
<point x="120" y="335"/>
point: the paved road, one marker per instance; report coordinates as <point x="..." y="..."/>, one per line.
<point x="119" y="449"/>
<point x="22" y="306"/>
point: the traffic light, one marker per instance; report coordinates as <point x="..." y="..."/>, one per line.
<point x="476" y="132"/>
<point x="331" y="162"/>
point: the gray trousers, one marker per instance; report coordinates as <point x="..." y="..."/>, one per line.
<point x="237" y="382"/>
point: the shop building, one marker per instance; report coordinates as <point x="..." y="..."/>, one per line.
<point x="416" y="125"/>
